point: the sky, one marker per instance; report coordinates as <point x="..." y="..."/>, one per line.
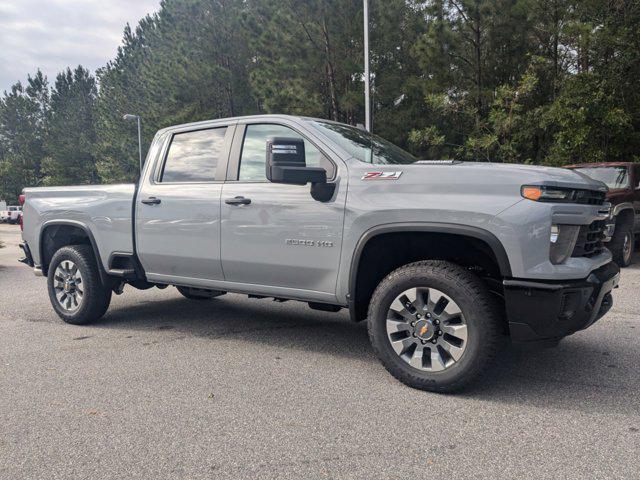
<point x="54" y="34"/>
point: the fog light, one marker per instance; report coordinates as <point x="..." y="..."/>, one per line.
<point x="562" y="241"/>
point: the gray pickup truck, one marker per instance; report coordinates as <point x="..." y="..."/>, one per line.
<point x="445" y="260"/>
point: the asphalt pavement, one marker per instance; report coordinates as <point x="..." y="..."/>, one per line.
<point x="168" y="388"/>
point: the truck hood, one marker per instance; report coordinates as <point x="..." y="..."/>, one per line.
<point x="489" y="186"/>
<point x="505" y="173"/>
<point x="619" y="195"/>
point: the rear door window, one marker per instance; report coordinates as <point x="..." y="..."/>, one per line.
<point x="193" y="156"/>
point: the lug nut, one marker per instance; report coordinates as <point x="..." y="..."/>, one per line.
<point x="439" y="332"/>
<point x="437" y="322"/>
<point x="424" y="341"/>
<point x="413" y="324"/>
<point x="413" y="334"/>
<point x="434" y="341"/>
<point x="418" y="316"/>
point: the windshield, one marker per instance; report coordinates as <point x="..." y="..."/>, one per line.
<point x="613" y="177"/>
<point x="363" y="145"/>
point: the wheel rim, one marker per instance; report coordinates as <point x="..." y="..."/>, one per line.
<point x="68" y="286"/>
<point x="626" y="247"/>
<point x="427" y="329"/>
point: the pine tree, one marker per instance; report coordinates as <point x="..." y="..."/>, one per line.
<point x="71" y="136"/>
<point x="23" y="123"/>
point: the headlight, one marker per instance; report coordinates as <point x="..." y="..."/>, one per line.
<point x="562" y="240"/>
<point x="548" y="194"/>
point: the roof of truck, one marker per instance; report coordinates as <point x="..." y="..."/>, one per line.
<point x="272" y="116"/>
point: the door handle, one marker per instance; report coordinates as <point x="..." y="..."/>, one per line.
<point x="238" y="201"/>
<point x="151" y="201"/>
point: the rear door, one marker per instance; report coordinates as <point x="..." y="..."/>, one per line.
<point x="283" y="240"/>
<point x="178" y="206"/>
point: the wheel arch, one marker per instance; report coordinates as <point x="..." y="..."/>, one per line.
<point x="437" y="231"/>
<point x="623" y="211"/>
<point x="67" y="232"/>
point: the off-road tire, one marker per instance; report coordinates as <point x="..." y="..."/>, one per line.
<point x="96" y="297"/>
<point x="622" y="233"/>
<point x="483" y="316"/>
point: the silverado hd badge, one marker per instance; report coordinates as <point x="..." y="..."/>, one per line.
<point x="381" y="176"/>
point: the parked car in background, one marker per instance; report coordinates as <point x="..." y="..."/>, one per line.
<point x="623" y="180"/>
<point x="11" y="215"/>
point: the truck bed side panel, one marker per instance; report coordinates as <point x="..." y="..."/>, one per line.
<point x="104" y="210"/>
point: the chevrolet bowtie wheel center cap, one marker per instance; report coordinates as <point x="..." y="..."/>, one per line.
<point x="424" y="330"/>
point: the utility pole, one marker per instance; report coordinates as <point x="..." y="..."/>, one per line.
<point x="367" y="73"/>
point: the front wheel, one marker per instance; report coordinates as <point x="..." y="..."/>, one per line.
<point x="622" y="244"/>
<point x="75" y="289"/>
<point x="434" y="325"/>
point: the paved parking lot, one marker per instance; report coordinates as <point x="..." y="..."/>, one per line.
<point x="164" y="387"/>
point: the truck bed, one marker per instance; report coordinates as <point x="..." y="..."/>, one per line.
<point x="106" y="210"/>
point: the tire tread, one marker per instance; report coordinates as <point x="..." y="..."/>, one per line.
<point x="490" y="316"/>
<point x="97" y="296"/>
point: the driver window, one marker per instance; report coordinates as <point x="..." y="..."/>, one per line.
<point x="254" y="152"/>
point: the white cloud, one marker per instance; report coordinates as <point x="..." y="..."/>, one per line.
<point x="54" y="34"/>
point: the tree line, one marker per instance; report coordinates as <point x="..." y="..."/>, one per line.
<point x="530" y="81"/>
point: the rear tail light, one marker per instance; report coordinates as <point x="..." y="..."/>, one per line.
<point x="21" y="200"/>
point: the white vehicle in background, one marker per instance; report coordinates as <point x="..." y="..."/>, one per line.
<point x="11" y="215"/>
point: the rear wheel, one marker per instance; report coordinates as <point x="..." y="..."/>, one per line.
<point x="434" y="325"/>
<point x="75" y="290"/>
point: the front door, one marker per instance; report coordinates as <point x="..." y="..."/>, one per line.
<point x="178" y="208"/>
<point x="280" y="237"/>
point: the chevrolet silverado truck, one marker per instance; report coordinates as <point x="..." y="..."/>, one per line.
<point x="445" y="260"/>
<point x="623" y="180"/>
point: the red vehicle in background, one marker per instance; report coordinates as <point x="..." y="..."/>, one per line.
<point x="623" y="180"/>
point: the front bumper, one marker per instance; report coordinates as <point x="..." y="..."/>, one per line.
<point x="546" y="310"/>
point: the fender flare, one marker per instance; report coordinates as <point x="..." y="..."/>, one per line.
<point x="104" y="277"/>
<point x="617" y="209"/>
<point x="428" y="227"/>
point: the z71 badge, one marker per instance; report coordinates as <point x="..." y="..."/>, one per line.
<point x="381" y="176"/>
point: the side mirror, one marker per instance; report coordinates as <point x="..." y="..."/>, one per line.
<point x="286" y="163"/>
